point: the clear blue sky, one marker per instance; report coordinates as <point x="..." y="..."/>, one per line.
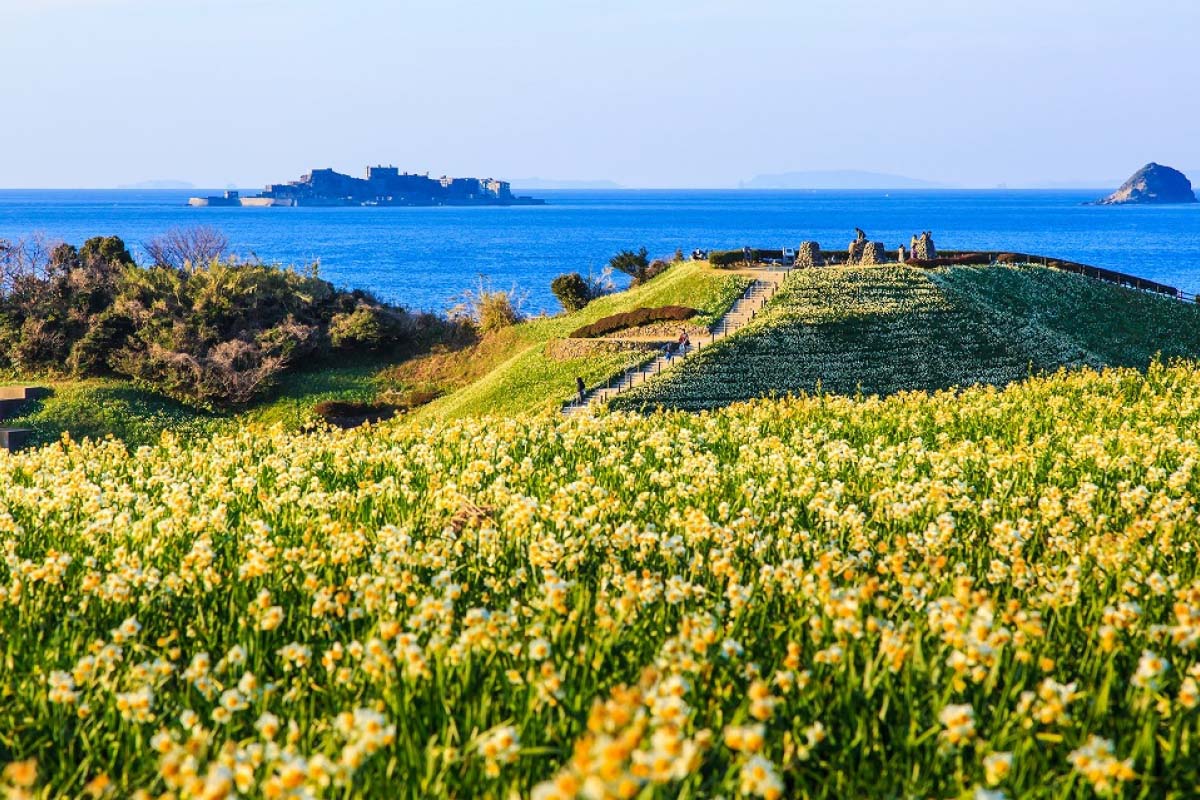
<point x="643" y="92"/>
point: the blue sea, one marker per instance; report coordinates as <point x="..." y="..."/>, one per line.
<point x="423" y="257"/>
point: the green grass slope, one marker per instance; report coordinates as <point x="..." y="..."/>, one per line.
<point x="99" y="407"/>
<point x="882" y="330"/>
<point x="529" y="379"/>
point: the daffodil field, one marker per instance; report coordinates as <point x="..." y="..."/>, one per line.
<point x="978" y="594"/>
<point x="884" y="329"/>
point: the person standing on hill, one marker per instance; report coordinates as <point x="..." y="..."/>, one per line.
<point x="580" y="389"/>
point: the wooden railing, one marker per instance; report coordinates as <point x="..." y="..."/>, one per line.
<point x="1099" y="273"/>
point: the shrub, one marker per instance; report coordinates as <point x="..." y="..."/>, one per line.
<point x="101" y="250"/>
<point x="631" y="263"/>
<point x="292" y="340"/>
<point x="229" y="373"/>
<point x="90" y="353"/>
<point x="360" y="328"/>
<point x="487" y="308"/>
<point x="631" y="319"/>
<point x="377" y="327"/>
<point x="236" y="371"/>
<point x="497" y="310"/>
<point x="215" y="333"/>
<point x="638" y="265"/>
<point x="726" y="258"/>
<point x="39" y="343"/>
<point x="572" y="291"/>
<point x="218" y="334"/>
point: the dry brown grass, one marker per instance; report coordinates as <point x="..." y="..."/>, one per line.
<point x="454" y="367"/>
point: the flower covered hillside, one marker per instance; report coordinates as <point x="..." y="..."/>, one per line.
<point x="993" y="592"/>
<point x="881" y="330"/>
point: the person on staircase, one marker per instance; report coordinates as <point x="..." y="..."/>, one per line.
<point x="580" y="389"/>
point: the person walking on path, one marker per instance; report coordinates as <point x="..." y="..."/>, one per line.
<point x="580" y="389"/>
<point x="684" y="342"/>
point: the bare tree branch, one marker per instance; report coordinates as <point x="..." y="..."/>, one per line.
<point x="186" y="247"/>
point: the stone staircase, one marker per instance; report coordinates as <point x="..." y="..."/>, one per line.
<point x="12" y="399"/>
<point x="766" y="283"/>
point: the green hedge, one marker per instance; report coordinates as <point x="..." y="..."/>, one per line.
<point x="726" y="258"/>
<point x="631" y="319"/>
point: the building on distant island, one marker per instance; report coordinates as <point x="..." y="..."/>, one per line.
<point x="381" y="186"/>
<point x="230" y="198"/>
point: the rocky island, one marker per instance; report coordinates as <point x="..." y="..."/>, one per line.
<point x="1153" y="183"/>
<point x="381" y="186"/>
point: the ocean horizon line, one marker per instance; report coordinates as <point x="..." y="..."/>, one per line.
<point x="614" y="189"/>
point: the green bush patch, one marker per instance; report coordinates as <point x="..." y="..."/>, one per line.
<point x="212" y="334"/>
<point x="726" y="258"/>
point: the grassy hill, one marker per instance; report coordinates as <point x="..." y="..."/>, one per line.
<point x="881" y="330"/>
<point x="514" y="371"/>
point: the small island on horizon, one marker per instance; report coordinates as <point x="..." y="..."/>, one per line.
<point x="381" y="186"/>
<point x="1152" y="184"/>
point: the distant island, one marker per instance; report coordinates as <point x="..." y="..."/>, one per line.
<point x="836" y="179"/>
<point x="1153" y="183"/>
<point x="382" y="186"/>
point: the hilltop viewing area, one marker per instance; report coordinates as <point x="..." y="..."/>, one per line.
<point x="875" y="321"/>
<point x="921" y="252"/>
